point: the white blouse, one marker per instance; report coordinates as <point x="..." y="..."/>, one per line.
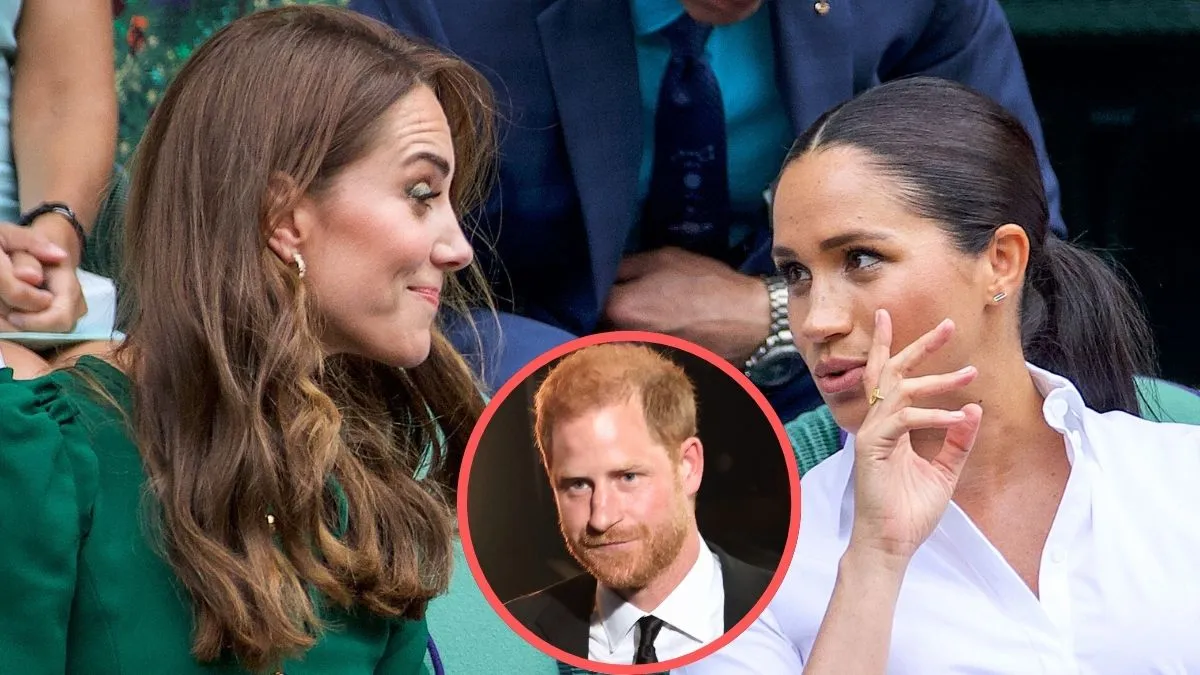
<point x="1119" y="579"/>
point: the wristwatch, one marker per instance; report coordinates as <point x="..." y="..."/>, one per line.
<point x="776" y="361"/>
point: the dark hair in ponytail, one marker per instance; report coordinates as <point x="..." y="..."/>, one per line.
<point x="964" y="161"/>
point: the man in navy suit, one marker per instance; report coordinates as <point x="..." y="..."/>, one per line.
<point x="640" y="138"/>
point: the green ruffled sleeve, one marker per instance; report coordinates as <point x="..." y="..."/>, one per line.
<point x="48" y="477"/>
<point x="814" y="437"/>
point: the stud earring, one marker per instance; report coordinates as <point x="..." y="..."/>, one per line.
<point x="300" y="266"/>
<point x="999" y="296"/>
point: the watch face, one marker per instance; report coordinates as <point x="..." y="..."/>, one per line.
<point x="777" y="368"/>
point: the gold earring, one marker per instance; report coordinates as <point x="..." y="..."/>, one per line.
<point x="999" y="296"/>
<point x="299" y="260"/>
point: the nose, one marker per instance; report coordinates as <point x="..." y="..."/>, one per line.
<point x="604" y="512"/>
<point x="452" y="252"/>
<point x="828" y="315"/>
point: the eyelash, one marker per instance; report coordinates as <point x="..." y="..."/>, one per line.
<point x="423" y="199"/>
<point x="579" y="485"/>
<point x="855" y="252"/>
<point x="794" y="271"/>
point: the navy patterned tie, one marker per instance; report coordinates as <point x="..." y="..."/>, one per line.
<point x="688" y="201"/>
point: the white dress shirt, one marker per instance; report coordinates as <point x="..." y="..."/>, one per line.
<point x="1119" y="578"/>
<point x="693" y="615"/>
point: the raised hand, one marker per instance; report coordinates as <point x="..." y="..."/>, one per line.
<point x="900" y="496"/>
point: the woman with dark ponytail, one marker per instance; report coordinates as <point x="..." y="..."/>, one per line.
<point x="998" y="507"/>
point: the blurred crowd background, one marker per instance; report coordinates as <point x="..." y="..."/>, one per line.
<point x="1115" y="82"/>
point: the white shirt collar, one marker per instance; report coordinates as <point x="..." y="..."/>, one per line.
<point x="681" y="609"/>
<point x="1063" y="406"/>
<point x="1063" y="409"/>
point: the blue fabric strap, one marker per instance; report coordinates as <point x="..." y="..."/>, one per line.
<point x="435" y="657"/>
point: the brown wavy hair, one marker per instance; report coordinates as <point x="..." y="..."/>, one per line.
<point x="238" y="413"/>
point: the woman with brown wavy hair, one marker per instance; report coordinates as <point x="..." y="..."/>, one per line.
<point x="251" y="483"/>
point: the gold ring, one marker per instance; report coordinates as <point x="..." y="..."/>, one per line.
<point x="875" y="397"/>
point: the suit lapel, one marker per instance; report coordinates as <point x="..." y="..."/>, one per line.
<point x="566" y="619"/>
<point x="592" y="62"/>
<point x="744" y="585"/>
<point x="814" y="69"/>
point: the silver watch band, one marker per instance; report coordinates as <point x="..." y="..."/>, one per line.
<point x="780" y="331"/>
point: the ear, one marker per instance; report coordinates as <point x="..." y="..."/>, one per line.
<point x="691" y="465"/>
<point x="289" y="217"/>
<point x="1007" y="258"/>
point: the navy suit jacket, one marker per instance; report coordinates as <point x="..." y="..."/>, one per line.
<point x="565" y="74"/>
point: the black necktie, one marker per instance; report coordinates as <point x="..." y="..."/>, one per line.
<point x="688" y="201"/>
<point x="648" y="627"/>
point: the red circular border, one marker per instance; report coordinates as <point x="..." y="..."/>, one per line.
<point x="793" y="484"/>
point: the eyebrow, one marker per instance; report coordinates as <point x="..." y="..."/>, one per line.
<point x="563" y="481"/>
<point x="632" y="468"/>
<point x="437" y="160"/>
<point x="836" y="241"/>
<point x="629" y="468"/>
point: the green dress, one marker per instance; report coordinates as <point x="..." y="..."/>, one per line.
<point x="81" y="591"/>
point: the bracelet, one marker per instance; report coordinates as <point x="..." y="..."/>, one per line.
<point x="61" y="209"/>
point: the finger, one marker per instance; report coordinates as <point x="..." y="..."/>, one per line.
<point x="6" y="327"/>
<point x="18" y="294"/>
<point x="634" y="266"/>
<point x="960" y="438"/>
<point x="892" y="427"/>
<point x="911" y="356"/>
<point x="27" y="268"/>
<point x="623" y="310"/>
<point x="915" y="388"/>
<point x="58" y="319"/>
<point x="17" y="238"/>
<point x="64" y="312"/>
<point x="881" y="349"/>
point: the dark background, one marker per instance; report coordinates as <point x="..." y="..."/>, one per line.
<point x="1117" y="86"/>
<point x="743" y="504"/>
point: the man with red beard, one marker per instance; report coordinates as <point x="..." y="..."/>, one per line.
<point x="616" y="426"/>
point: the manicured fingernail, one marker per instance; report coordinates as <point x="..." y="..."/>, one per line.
<point x="958" y="415"/>
<point x="55" y="249"/>
<point x="966" y="370"/>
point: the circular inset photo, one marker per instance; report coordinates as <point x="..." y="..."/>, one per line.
<point x="629" y="503"/>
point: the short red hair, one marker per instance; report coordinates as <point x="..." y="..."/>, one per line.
<point x="615" y="373"/>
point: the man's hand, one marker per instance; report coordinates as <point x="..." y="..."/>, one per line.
<point x="39" y="290"/>
<point x="693" y="297"/>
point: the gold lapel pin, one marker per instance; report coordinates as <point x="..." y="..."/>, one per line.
<point x="822" y="7"/>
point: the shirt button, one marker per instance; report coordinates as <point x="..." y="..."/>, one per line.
<point x="1058" y="408"/>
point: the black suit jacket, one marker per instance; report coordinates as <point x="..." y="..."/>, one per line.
<point x="562" y="613"/>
